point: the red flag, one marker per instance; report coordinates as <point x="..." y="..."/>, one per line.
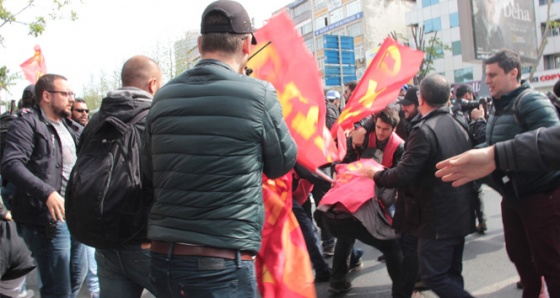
<point x="283" y="265"/>
<point x="392" y="67"/>
<point x="292" y="70"/>
<point x="34" y="67"/>
<point x="351" y="188"/>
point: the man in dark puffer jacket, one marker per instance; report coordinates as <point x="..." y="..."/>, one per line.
<point x="531" y="203"/>
<point x="211" y="133"/>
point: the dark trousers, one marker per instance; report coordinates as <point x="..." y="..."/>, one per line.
<point x="310" y="235"/>
<point x="320" y="188"/>
<point x="441" y="264"/>
<point x="347" y="230"/>
<point x="409" y="266"/>
<point x="532" y="234"/>
<point x="479" y="204"/>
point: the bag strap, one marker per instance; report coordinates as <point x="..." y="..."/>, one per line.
<point x="138" y="117"/>
<point x="515" y="108"/>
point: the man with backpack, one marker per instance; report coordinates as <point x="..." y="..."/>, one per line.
<point x="39" y="155"/>
<point x="531" y="200"/>
<point x="106" y="208"/>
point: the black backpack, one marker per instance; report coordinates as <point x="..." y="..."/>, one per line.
<point x="5" y="121"/>
<point x="104" y="198"/>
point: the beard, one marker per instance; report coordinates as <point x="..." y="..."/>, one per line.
<point x="62" y="112"/>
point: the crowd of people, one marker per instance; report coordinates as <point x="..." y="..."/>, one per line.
<point x="210" y="135"/>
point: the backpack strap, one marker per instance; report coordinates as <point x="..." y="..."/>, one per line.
<point x="138" y="117"/>
<point x="515" y="109"/>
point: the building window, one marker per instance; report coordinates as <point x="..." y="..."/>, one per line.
<point x="432" y="25"/>
<point x="319" y="43"/>
<point x="463" y="75"/>
<point x="309" y="44"/>
<point x="355" y="29"/>
<point x="320" y="4"/>
<point x="545" y="2"/>
<point x="456" y="48"/>
<point x="306" y="27"/>
<point x="454" y="20"/>
<point x="353" y="8"/>
<point x="301" y="9"/>
<point x="526" y="69"/>
<point x="321" y="63"/>
<point x="320" y="22"/>
<point x="551" y="61"/>
<point x="336" y="15"/>
<point x="339" y="32"/>
<point x="359" y="53"/>
<point x="551" y="31"/>
<point x="427" y="3"/>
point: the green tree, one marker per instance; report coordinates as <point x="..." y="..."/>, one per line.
<point x="548" y="25"/>
<point x="433" y="49"/>
<point x="27" y="13"/>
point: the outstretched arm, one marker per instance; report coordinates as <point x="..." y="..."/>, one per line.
<point x="471" y="165"/>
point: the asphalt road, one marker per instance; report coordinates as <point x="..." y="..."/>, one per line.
<point x="486" y="269"/>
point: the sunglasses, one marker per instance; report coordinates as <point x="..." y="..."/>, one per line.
<point x="82" y="110"/>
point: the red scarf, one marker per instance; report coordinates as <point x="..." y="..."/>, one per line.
<point x="392" y="144"/>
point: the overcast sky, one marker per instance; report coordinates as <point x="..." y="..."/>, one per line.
<point x="107" y="33"/>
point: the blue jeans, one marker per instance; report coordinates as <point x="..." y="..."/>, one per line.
<point x="61" y="260"/>
<point x="124" y="273"/>
<point x="441" y="264"/>
<point x="92" y="281"/>
<point x="203" y="277"/>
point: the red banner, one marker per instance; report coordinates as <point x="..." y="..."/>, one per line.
<point x="283" y="265"/>
<point x="293" y="71"/>
<point x="34" y="67"/>
<point x="351" y="188"/>
<point x="392" y="67"/>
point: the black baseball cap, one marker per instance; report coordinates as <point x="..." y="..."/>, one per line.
<point x="462" y="90"/>
<point x="410" y="98"/>
<point x="239" y="21"/>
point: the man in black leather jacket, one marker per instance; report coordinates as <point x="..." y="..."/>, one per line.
<point x="440" y="215"/>
<point x="39" y="155"/>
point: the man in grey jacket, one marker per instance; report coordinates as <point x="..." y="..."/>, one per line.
<point x="211" y="133"/>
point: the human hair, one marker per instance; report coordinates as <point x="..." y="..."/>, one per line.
<point x="77" y="100"/>
<point x="138" y="71"/>
<point x="434" y="90"/>
<point x="507" y="60"/>
<point x="225" y="42"/>
<point x="556" y="88"/>
<point x="351" y="85"/>
<point x="45" y="82"/>
<point x="388" y="115"/>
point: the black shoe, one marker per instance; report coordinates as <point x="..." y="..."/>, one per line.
<point x="519" y="285"/>
<point x="356" y="263"/>
<point x="328" y="251"/>
<point x="323" y="276"/>
<point x="381" y="258"/>
<point x="340" y="288"/>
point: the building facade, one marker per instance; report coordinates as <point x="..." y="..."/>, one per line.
<point x="454" y="21"/>
<point x="369" y="22"/>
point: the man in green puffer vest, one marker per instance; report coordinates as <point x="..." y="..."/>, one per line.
<point x="210" y="135"/>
